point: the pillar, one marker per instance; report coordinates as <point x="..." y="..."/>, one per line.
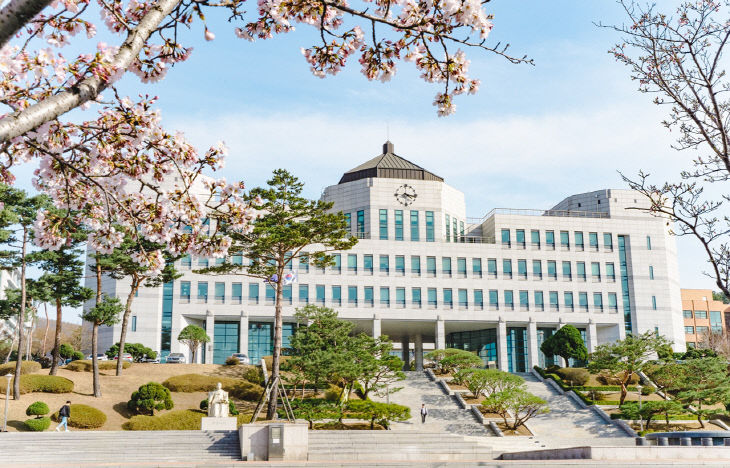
<point x="591" y="336"/>
<point x="440" y="334"/>
<point x="405" y="348"/>
<point x="376" y="326"/>
<point x="502" y="361"/>
<point x="533" y="358"/>
<point x="210" y="330"/>
<point x="418" y="350"/>
<point x="243" y="334"/>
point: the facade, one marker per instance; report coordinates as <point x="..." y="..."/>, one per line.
<point x="428" y="276"/>
<point x="9" y="279"/>
<point x="702" y="315"/>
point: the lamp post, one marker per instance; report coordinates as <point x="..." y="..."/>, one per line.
<point x="7" y="399"/>
<point x="641" y="420"/>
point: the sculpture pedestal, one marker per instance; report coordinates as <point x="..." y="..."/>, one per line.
<point x="218" y="424"/>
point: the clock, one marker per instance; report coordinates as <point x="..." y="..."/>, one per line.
<point x="405" y="194"/>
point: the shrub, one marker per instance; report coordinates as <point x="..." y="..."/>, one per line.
<point x="313" y="409"/>
<point x="381" y="412"/>
<point x="150" y="397"/>
<point x="181" y="420"/>
<point x="333" y="393"/>
<point x="647" y="390"/>
<point x="137" y="350"/>
<point x="26" y="367"/>
<point x="45" y="383"/>
<point x="84" y="417"/>
<point x="37" y="409"/>
<point x="231" y="407"/>
<point x="38" y="424"/>
<point x="232" y="361"/>
<point x="552" y="369"/>
<point x="574" y="376"/>
<point x="66" y="350"/>
<point x="87" y="366"/>
<point x="253" y="374"/>
<point x="237" y="388"/>
<point x="77" y="355"/>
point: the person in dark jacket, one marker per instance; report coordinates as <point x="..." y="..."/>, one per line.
<point x="424" y="413"/>
<point x="64" y="413"/>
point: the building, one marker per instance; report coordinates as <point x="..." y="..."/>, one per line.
<point x="702" y="314"/>
<point x="9" y="279"/>
<point x="428" y="276"/>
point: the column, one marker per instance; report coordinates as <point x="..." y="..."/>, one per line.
<point x="243" y="334"/>
<point x="210" y="329"/>
<point x="533" y="358"/>
<point x="376" y="326"/>
<point x="591" y="336"/>
<point x="502" y="361"/>
<point x="561" y="362"/>
<point x="440" y="342"/>
<point x="418" y="349"/>
<point x="405" y="347"/>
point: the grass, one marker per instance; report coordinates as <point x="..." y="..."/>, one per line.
<point x="237" y="388"/>
<point x="83" y="365"/>
<point x="45" y="384"/>
<point x="180" y="420"/>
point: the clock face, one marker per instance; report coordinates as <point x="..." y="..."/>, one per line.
<point x="405" y="194"/>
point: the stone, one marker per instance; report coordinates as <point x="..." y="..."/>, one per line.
<point x="218" y="424"/>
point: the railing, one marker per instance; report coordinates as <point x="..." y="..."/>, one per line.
<point x="533" y="212"/>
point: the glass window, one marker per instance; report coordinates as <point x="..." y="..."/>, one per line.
<point x="319" y="293"/>
<point x="716" y="321"/>
<point x="367" y="263"/>
<point x="400" y="264"/>
<point x="186" y="261"/>
<point x="607" y="241"/>
<point x="522" y="268"/>
<point x="492" y="267"/>
<point x="520" y="235"/>
<point x="337" y="268"/>
<point x="448" y="299"/>
<point x="593" y="240"/>
<point x="701" y="314"/>
<point x="448" y="227"/>
<point x="352" y="295"/>
<point x="552" y="269"/>
<point x="220" y="261"/>
<point x="400" y="296"/>
<point x="610" y="271"/>
<point x="304" y="294"/>
<point x="579" y="239"/>
<point x="687" y="313"/>
<point x="185" y="291"/>
<point x="701" y="330"/>
<point x="566" y="270"/>
<point x="220" y="292"/>
<point x="524" y="299"/>
<point x="286" y="294"/>
<point x="416" y="296"/>
<point x="537" y="268"/>
<point x="568" y="298"/>
<point x="385" y="296"/>
<point x="539" y="300"/>
<point x="369" y="295"/>
<point x="583" y="300"/>
<point x="236" y="293"/>
<point x="493" y="299"/>
<point x="648" y="242"/>
<point x="432" y="301"/>
<point x="430" y="237"/>
<point x="651" y="272"/>
<point x="505" y="237"/>
<point x="463" y="298"/>
<point x="653" y="302"/>
<point x="414" y="226"/>
<point x="352" y="262"/>
<point x="134" y="323"/>
<point x="550" y="238"/>
<point x="535" y="237"/>
<point x="304" y="263"/>
<point x="399" y="225"/>
<point x="581" y="270"/>
<point x="202" y="262"/>
<point x="454" y="225"/>
<point x="446" y="265"/>
<point x="253" y="293"/>
<point x="689" y="330"/>
<point x="202" y="291"/>
<point x="476" y="267"/>
<point x="509" y="299"/>
<point x="431" y="266"/>
<point x="507" y="267"/>
<point x="238" y="260"/>
<point x="348" y="221"/>
<point x="553" y="297"/>
<point x="384" y="264"/>
<point x="337" y="295"/>
<point x="612" y="301"/>
<point x="564" y="239"/>
<point x="478" y="298"/>
<point x="461" y="266"/>
<point x="361" y="224"/>
<point x="598" y="300"/>
<point x="461" y="231"/>
<point x="596" y="270"/>
<point x="416" y="265"/>
<point x="383" y="224"/>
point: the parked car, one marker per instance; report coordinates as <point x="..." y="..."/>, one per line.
<point x="126" y="357"/>
<point x="150" y="360"/>
<point x="176" y="358"/>
<point x="242" y="358"/>
<point x="99" y="357"/>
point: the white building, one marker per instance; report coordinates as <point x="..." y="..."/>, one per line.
<point x="425" y="274"/>
<point x="9" y="279"/>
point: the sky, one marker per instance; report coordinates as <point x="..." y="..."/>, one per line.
<point x="531" y="136"/>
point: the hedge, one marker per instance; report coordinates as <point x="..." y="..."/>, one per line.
<point x="45" y="383"/>
<point x="182" y="420"/>
<point x="85" y="365"/>
<point x="660" y="417"/>
<point x="26" y="367"/>
<point x="84" y="417"/>
<point x="237" y="388"/>
<point x="605" y="388"/>
<point x="38" y="424"/>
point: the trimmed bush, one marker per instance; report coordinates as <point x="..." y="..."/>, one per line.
<point x="37" y="409"/>
<point x="84" y="417"/>
<point x="150" y="397"/>
<point x="647" y="390"/>
<point x="77" y="355"/>
<point x="232" y="361"/>
<point x="181" y="420"/>
<point x="607" y="378"/>
<point x="574" y="376"/>
<point x="38" y="424"/>
<point x="231" y="407"/>
<point x="66" y="350"/>
<point x="237" y="388"/>
<point x="45" y="383"/>
<point x="253" y="374"/>
<point x="86" y="365"/>
<point x="333" y="393"/>
<point x="26" y="367"/>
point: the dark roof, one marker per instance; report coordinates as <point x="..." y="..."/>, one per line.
<point x="390" y="166"/>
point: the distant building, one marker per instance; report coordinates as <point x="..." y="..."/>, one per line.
<point x="9" y="279"/>
<point x="702" y="314"/>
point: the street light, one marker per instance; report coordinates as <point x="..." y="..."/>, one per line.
<point x="7" y="398"/>
<point x="641" y="420"/>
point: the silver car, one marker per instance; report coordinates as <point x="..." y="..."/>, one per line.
<point x="175" y="358"/>
<point x="242" y="358"/>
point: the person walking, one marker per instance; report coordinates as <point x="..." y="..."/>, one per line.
<point x="64" y="413"/>
<point x="424" y="413"/>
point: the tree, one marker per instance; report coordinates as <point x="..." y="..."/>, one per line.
<point x="451" y="360"/>
<point x="566" y="343"/>
<point x="138" y="351"/>
<point x="381" y="412"/>
<point x="651" y="409"/>
<point x="626" y="358"/>
<point x="386" y="371"/>
<point x="193" y="336"/>
<point x="496" y="381"/>
<point x="703" y="382"/>
<point x="289" y="223"/>
<point x="150" y="397"/>
<point x="720" y="296"/>
<point x="105" y="312"/>
<point x="66" y="350"/>
<point x="717" y="342"/>
<point x="475" y="380"/>
<point x="517" y="404"/>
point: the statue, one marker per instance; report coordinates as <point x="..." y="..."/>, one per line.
<point x="218" y="403"/>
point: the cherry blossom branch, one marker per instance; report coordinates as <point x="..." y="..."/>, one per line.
<point x="16" y="14"/>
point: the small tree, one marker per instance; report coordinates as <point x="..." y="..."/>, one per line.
<point x="650" y="409"/>
<point x="627" y="357"/>
<point x="313" y="410"/>
<point x="458" y="359"/>
<point x="475" y="380"/>
<point x="105" y="312"/>
<point x="517" y="404"/>
<point x="37" y="409"/>
<point x="566" y="343"/>
<point x="702" y="382"/>
<point x="66" y="351"/>
<point x="150" y="397"/>
<point x="193" y="336"/>
<point x="386" y="369"/>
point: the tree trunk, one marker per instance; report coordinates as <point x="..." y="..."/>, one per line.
<point x="29" y="346"/>
<point x="21" y="317"/>
<point x="95" y="338"/>
<point x="125" y="320"/>
<point x="45" y="333"/>
<point x="271" y="410"/>
<point x="12" y="345"/>
<point x="57" y="338"/>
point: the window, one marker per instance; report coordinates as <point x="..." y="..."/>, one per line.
<point x="400" y="265"/>
<point x="238" y="260"/>
<point x="361" y="224"/>
<point x="568" y="298"/>
<point x="651" y="272"/>
<point x="522" y="269"/>
<point x="612" y="301"/>
<point x="286" y="294"/>
<point x="348" y="221"/>
<point x="691" y="345"/>
<point x="236" y="293"/>
<point x="493" y="299"/>
<point x="400" y="297"/>
<point x="535" y="238"/>
<point x="367" y="264"/>
<point x="416" y="297"/>
<point x="383" y="224"/>
<point x="539" y="301"/>
<point x="567" y="275"/>
<point x="461" y="231"/>
<point x="552" y="269"/>
<point x="455" y="231"/>
<point x="416" y="265"/>
<point x="337" y="267"/>
<point x="701" y="330"/>
<point x="593" y="240"/>
<point x="478" y="299"/>
<point x="579" y="240"/>
<point x="446" y="265"/>
<point x="431" y="266"/>
<point x="319" y="293"/>
<point x="550" y="239"/>
<point x="461" y="267"/>
<point x="565" y="239"/>
<point x="430" y="237"/>
<point x="687" y="313"/>
<point x="553" y="297"/>
<point x="220" y="293"/>
<point x="369" y="296"/>
<point x="384" y="264"/>
<point x="414" y="226"/>
<point x="186" y="261"/>
<point x="184" y="291"/>
<point x="701" y="314"/>
<point x="352" y="295"/>
<point x="607" y="241"/>
<point x="598" y="301"/>
<point x="448" y="228"/>
<point x="520" y="234"/>
<point x="202" y="292"/>
<point x="220" y="261"/>
<point x="610" y="272"/>
<point x="507" y="268"/>
<point x="352" y="263"/>
<point x="537" y="269"/>
<point x="463" y="298"/>
<point x="399" y="225"/>
<point x="689" y="330"/>
<point x="653" y="302"/>
<point x="203" y="262"/>
<point x="134" y="323"/>
<point x="432" y="301"/>
<point x="304" y="263"/>
<point x="492" y="267"/>
<point x="385" y="296"/>
<point x="505" y="237"/>
<point x="448" y="299"/>
<point x="716" y="321"/>
<point x="581" y="270"/>
<point x="337" y="295"/>
<point x="509" y="300"/>
<point x="253" y="293"/>
<point x="524" y="300"/>
<point x="648" y="242"/>
<point x="596" y="271"/>
<point x="304" y="294"/>
<point x="476" y="267"/>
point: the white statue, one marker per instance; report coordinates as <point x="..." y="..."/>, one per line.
<point x="218" y="403"/>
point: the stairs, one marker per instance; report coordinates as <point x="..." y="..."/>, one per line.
<point x="118" y="447"/>
<point x="395" y="446"/>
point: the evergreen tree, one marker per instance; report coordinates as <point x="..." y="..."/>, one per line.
<point x="193" y="336"/>
<point x="566" y="343"/>
<point x="105" y="312"/>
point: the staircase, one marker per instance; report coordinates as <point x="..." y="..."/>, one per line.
<point x="118" y="447"/>
<point x="395" y="446"/>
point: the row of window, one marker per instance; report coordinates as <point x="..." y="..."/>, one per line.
<point x="699" y="330"/>
<point x="549" y="236"/>
<point x="399" y="221"/>
<point x="702" y="314"/>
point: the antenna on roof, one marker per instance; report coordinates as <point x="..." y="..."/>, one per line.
<point x="387" y="131"/>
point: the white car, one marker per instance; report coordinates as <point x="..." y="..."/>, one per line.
<point x="175" y="358"/>
<point x="99" y="357"/>
<point x="242" y="358"/>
